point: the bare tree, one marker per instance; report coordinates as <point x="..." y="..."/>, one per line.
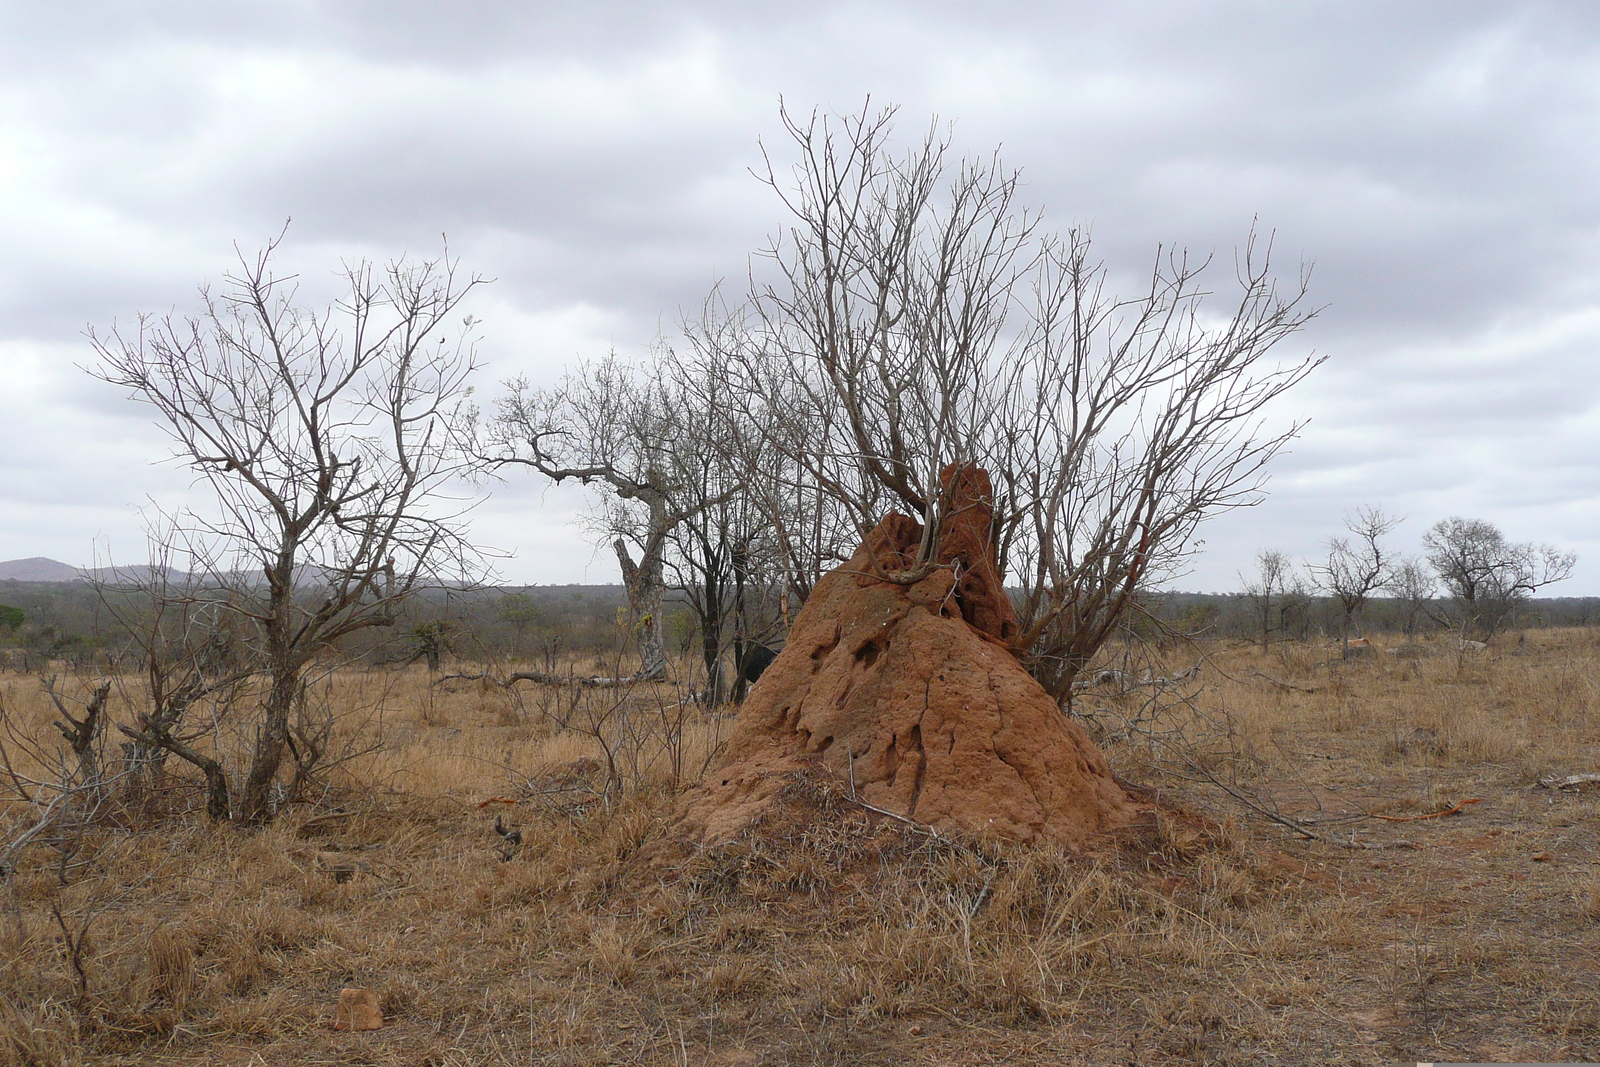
<point x="1411" y="584"/>
<point x="1485" y="576"/>
<point x="772" y="425"/>
<point x="914" y="316"/>
<point x="1263" y="589"/>
<point x="1296" y="607"/>
<point x="721" y="561"/>
<point x="62" y="790"/>
<point x="1356" y="566"/>
<point x="328" y="440"/>
<point x="731" y="558"/>
<point x="639" y="433"/>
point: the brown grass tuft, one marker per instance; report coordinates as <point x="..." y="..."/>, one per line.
<point x="169" y="965"/>
<point x="1589" y="900"/>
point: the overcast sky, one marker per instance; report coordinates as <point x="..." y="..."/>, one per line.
<point x="1438" y="162"/>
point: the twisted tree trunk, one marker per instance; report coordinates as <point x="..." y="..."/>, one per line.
<point x="645" y="586"/>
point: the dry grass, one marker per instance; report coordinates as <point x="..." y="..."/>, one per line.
<point x="828" y="936"/>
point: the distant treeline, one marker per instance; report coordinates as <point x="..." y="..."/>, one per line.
<point x="1302" y="617"/>
<point x="549" y="624"/>
<point x="75" y="621"/>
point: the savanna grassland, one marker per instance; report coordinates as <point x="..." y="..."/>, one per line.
<point x="1286" y="901"/>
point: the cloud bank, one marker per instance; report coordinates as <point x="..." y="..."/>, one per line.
<point x="1437" y="162"/>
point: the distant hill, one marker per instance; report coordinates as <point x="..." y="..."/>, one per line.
<point x="41" y="569"/>
<point x="45" y="570"/>
<point x="37" y="569"/>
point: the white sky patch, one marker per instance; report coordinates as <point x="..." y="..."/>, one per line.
<point x="541" y="344"/>
<point x="65" y="487"/>
<point x="539" y="531"/>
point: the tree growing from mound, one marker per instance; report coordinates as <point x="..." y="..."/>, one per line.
<point x="914" y="315"/>
<point x="910" y="693"/>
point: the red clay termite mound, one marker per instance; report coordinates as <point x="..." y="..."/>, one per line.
<point x="913" y="693"/>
